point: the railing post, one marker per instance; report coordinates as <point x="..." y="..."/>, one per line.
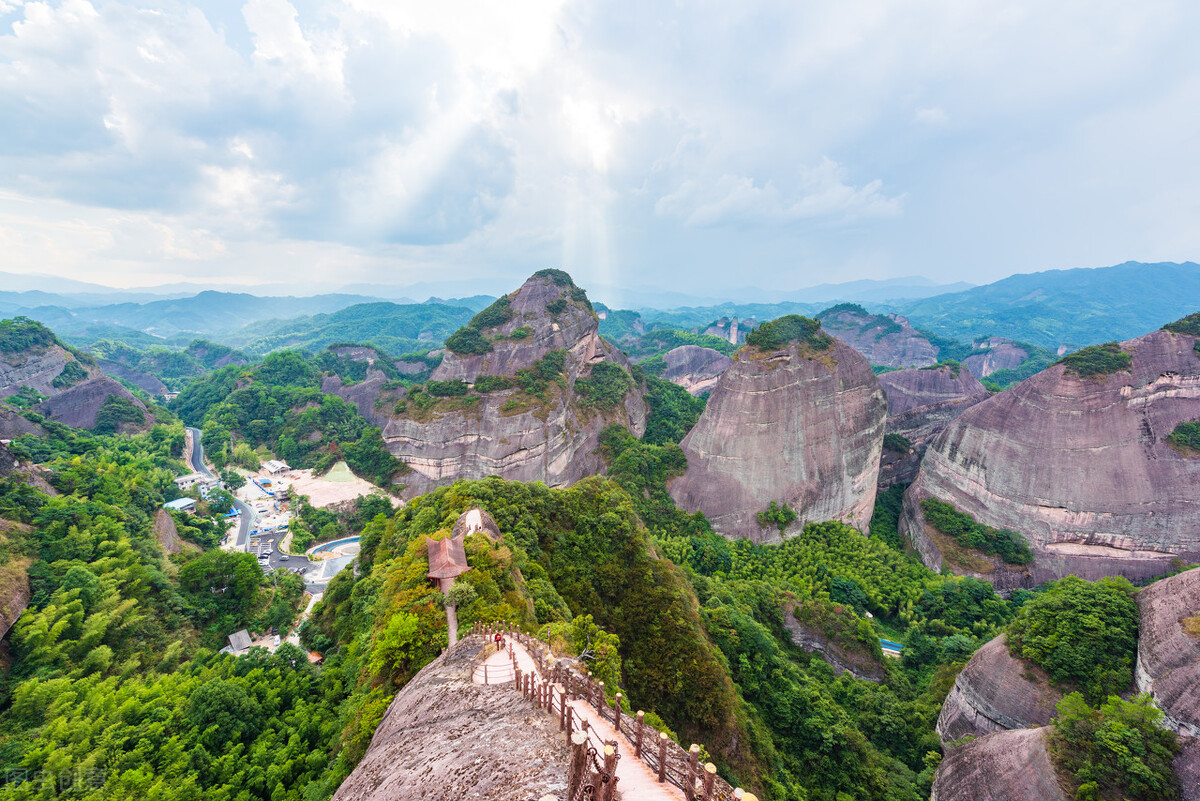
<point x="617" y="714"/>
<point x="568" y="715"/>
<point x="562" y="708"/>
<point x="600" y="698"/>
<point x="610" y="770"/>
<point x="517" y="677"/>
<point x="637" y="742"/>
<point x="485" y="681"/>
<point x="689" y="790"/>
<point x="710" y="773"/>
<point x="577" y="769"/>
<point x="662" y="757"/>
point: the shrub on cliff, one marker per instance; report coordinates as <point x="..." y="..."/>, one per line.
<point x="1188" y="325"/>
<point x="72" y="373"/>
<point x="467" y="341"/>
<point x="787" y="329"/>
<point x="1083" y="634"/>
<point x="1186" y="435"/>
<point x="605" y="388"/>
<point x="1117" y="751"/>
<point x="966" y="531"/>
<point x="1096" y="360"/>
<point x="22" y="334"/>
<point x="498" y="313"/>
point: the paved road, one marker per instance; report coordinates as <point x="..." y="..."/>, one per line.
<point x="267" y="540"/>
<point x="246" y="521"/>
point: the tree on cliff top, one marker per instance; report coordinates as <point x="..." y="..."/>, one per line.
<point x="1083" y="634"/>
<point x="787" y="329"/>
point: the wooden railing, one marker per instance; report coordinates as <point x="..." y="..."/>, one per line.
<point x="592" y="771"/>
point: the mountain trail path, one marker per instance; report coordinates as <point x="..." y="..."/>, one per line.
<point x="636" y="779"/>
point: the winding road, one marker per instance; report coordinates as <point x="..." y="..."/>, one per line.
<point x="246" y="520"/>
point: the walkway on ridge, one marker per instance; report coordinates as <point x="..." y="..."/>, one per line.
<point x="635" y="778"/>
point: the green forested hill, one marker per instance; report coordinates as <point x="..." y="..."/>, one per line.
<point x="398" y="328"/>
<point x="1075" y="308"/>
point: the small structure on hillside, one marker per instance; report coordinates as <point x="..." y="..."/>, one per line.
<point x="239" y="643"/>
<point x="476" y="520"/>
<point x="275" y="467"/>
<point x="204" y="484"/>
<point x="447" y="561"/>
<point x="181" y="505"/>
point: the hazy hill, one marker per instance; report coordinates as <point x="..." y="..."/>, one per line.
<point x="1065" y="307"/>
<point x="396" y="328"/>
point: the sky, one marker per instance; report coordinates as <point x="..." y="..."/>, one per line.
<point x="684" y="145"/>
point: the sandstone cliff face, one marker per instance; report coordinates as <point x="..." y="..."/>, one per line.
<point x="789" y="426"/>
<point x="37" y="368"/>
<point x="1005" y="766"/>
<point x="555" y="440"/>
<point x="79" y="406"/>
<point x="14" y="593"/>
<point x="997" y="353"/>
<point x="13" y="425"/>
<point x="995" y="692"/>
<point x="1079" y="466"/>
<point x="444" y="737"/>
<point x="694" y="368"/>
<point x="138" y="378"/>
<point x="369" y="397"/>
<point x="921" y="402"/>
<point x="889" y="341"/>
<point x="1168" y="666"/>
<point x="166" y="532"/>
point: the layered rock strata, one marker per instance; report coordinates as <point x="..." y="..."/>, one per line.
<point x="995" y="692"/>
<point x="1079" y="466"/>
<point x="694" y="368"/>
<point x="1004" y="766"/>
<point x="842" y="660"/>
<point x="445" y="738"/>
<point x="37" y="368"/>
<point x="554" y="438"/>
<point x="921" y="402"/>
<point x="1168" y="665"/>
<point x="998" y="353"/>
<point x="139" y="378"/>
<point x="885" y="340"/>
<point x="793" y="426"/>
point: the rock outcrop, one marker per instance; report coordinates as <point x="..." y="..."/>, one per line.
<point x="444" y="737"/>
<point x="1079" y="466"/>
<point x="37" y="368"/>
<point x="694" y="368"/>
<point x="885" y="340"/>
<point x="369" y="397"/>
<point x="139" y="378"/>
<point x="921" y="402"/>
<point x="1168" y="665"/>
<point x="512" y="423"/>
<point x="79" y="406"/>
<point x="14" y="592"/>
<point x="1005" y="766"/>
<point x="730" y="330"/>
<point x="166" y="532"/>
<point x="998" y="353"/>
<point x="13" y="425"/>
<point x="995" y="692"/>
<point x="842" y="660"/>
<point x="793" y="425"/>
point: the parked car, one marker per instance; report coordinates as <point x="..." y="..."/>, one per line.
<point x="283" y="558"/>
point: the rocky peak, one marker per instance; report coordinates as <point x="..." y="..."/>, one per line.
<point x="1077" y="461"/>
<point x="694" y="368"/>
<point x="886" y="340"/>
<point x="796" y="419"/>
<point x="547" y="313"/>
<point x="523" y="392"/>
<point x="998" y="353"/>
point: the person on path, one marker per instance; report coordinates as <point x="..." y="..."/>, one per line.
<point x="499" y="641"/>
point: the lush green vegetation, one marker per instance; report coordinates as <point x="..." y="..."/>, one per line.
<point x="885" y="521"/>
<point x="657" y="342"/>
<point x="605" y="388"/>
<point x="966" y="531"/>
<point x="1096" y="360"/>
<point x="1186" y="435"/>
<point x="790" y="328"/>
<point x="778" y="515"/>
<point x="72" y="373"/>
<point x="25" y="397"/>
<point x="1189" y="325"/>
<point x="673" y="412"/>
<point x="280" y="406"/>
<point x="954" y="366"/>
<point x="1117" y="751"/>
<point x="446" y="389"/>
<point x="1083" y="634"/>
<point x="117" y="410"/>
<point x="897" y="443"/>
<point x="498" y="313"/>
<point x="469" y="341"/>
<point x="117" y="643"/>
<point x="21" y="334"/>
